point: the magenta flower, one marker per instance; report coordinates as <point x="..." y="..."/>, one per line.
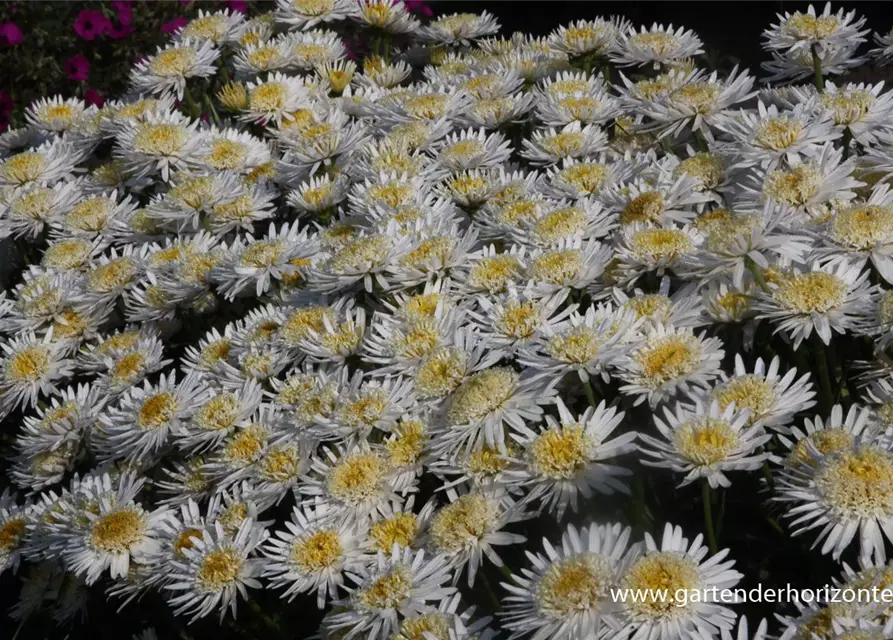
<point x="116" y="32"/>
<point x="10" y="32"/>
<point x="237" y="6"/>
<point x="92" y="96"/>
<point x="123" y="12"/>
<point x="90" y="24"/>
<point x="174" y="25"/>
<point x="418" y="6"/>
<point x="4" y="122"/>
<point x="78" y="68"/>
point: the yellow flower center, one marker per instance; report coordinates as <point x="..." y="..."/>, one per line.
<point x="560" y="454"/>
<point x="279" y="464"/>
<point x="313" y="8"/>
<point x="117" y="531"/>
<point x="219" y="569"/>
<point x="658" y="244"/>
<point x="494" y="273"/>
<point x="357" y="478"/>
<point x="269" y="96"/>
<point x="698" y="96"/>
<point x="827" y="441"/>
<point x="440" y="373"/>
<point x="388" y="591"/>
<point x="658" y="43"/>
<point x="848" y="107"/>
<point x="557" y="267"/>
<point x="667" y="358"/>
<point x="778" y="134"/>
<point x="586" y="178"/>
<point x="644" y="208"/>
<point x="706" y="442"/>
<point x="429" y="106"/>
<point x="574" y="585"/>
<point x="111" y="276"/>
<point x="246" y="446"/>
<point x="67" y="254"/>
<point x="23" y="167"/>
<point x="160" y="139"/>
<point x="807" y="293"/>
<point x="401" y="529"/>
<point x="261" y="254"/>
<point x="11" y="533"/>
<point x="32" y="205"/>
<point x="804" y="26"/>
<point x="561" y="223"/>
<point x="318" y="551"/>
<point x="226" y="154"/>
<point x="747" y="392"/>
<point x="28" y="365"/>
<point x="652" y="306"/>
<point x="219" y="413"/>
<point x="428" y="626"/>
<point x="481" y="394"/>
<point x="173" y="63"/>
<point x="863" y="226"/>
<point x="211" y="27"/>
<point x="859" y="482"/>
<point x="578" y="345"/>
<point x="706" y="167"/>
<point x="368" y="250"/>
<point x="660" y="577"/>
<point x="564" y="145"/>
<point x="463" y="522"/>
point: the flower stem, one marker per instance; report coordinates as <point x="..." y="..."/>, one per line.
<point x="590" y="394"/>
<point x="817" y="67"/>
<point x="821" y="365"/>
<point x="757" y="274"/>
<point x="708" y="516"/>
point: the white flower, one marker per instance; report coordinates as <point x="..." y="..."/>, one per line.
<point x="166" y="72"/>
<point x="215" y="570"/>
<point x="160" y="143"/>
<point x="565" y="594"/>
<point x="47" y="164"/>
<point x="381" y="14"/>
<point x="827" y="299"/>
<point x="655" y="46"/>
<point x="587" y="37"/>
<point x="800" y="31"/>
<point x="275" y="98"/>
<point x="550" y="146"/>
<point x="705" y="442"/>
<point x="662" y="571"/>
<point x="306" y="14"/>
<point x="460" y="28"/>
<point x="219" y="27"/>
<point x="30" y="369"/>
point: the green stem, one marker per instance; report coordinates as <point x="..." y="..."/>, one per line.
<point x="702" y="141"/>
<point x="497" y="605"/>
<point x="847" y="139"/>
<point x="767" y="473"/>
<point x="757" y="274"/>
<point x="708" y="516"/>
<point x="821" y="364"/>
<point x="590" y="394"/>
<point x="817" y="67"/>
<point x="194" y="109"/>
<point x="214" y="116"/>
<point x="265" y="618"/>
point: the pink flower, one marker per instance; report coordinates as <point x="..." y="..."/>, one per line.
<point x="116" y="32"/>
<point x="4" y="122"/>
<point x="78" y="68"/>
<point x="90" y="24"/>
<point x="10" y="32"/>
<point x="418" y="6"/>
<point x="123" y="12"/>
<point x="92" y="96"/>
<point x="237" y="6"/>
<point x="174" y="25"/>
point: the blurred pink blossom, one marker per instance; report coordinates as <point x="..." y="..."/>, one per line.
<point x="90" y="24"/>
<point x="10" y="32"/>
<point x="92" y="96"/>
<point x="237" y="6"/>
<point x="123" y="12"/>
<point x="418" y="6"/>
<point x="77" y="68"/>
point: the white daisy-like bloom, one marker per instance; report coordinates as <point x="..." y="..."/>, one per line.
<point x="263" y="57"/>
<point x="460" y="28"/>
<point x="567" y="460"/>
<point x="63" y="422"/>
<point x="30" y="369"/>
<point x="655" y="46"/>
<point x="794" y="65"/>
<point x="352" y="482"/>
<point x="29" y="209"/>
<point x="57" y="114"/>
<point x="219" y="416"/>
<point x="365" y="404"/>
<point x="644" y="248"/>
<point x="52" y="161"/>
<point x="140" y="423"/>
<point x="215" y="570"/>
<point x="704" y="442"/>
<point x="827" y="299"/>
<point x="446" y="620"/>
<point x="573" y="97"/>
<point x="480" y="408"/>
<point x="467" y="530"/>
<point x="575" y="179"/>
<point x="663" y="571"/>
<point x="312" y="554"/>
<point x="395" y="587"/>
<point x="587" y="37"/>
<point x="338" y="339"/>
<point x="668" y="361"/>
<point x="318" y="194"/>
<point x="470" y="149"/>
<point x="307" y="14"/>
<point x="13" y="527"/>
<point x="158" y="144"/>
<point x="845" y="492"/>
<point x="565" y="594"/>
<point x="698" y="104"/>
<point x="570" y="264"/>
<point x="803" y="194"/>
<point x="801" y="31"/>
<point x="433" y="253"/>
<point x="825" y="436"/>
<point x="382" y="15"/>
<point x="260" y="262"/>
<point x="771" y="399"/>
<point x="365" y="259"/>
<point x="165" y="73"/>
<point x="276" y="98"/>
<point x="734" y="241"/>
<point x="493" y="113"/>
<point x="551" y="146"/>
<point x="681" y="309"/>
<point x="861" y="109"/>
<point x="860" y="231"/>
<point x="219" y="27"/>
<point x="231" y="150"/>
<point x="665" y="201"/>
<point x="884" y="51"/>
<point x="769" y="135"/>
<point x="587" y="344"/>
<point x="119" y="531"/>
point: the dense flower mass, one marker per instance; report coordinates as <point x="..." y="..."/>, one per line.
<point x="362" y="327"/>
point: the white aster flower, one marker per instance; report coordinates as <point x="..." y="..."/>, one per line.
<point x="655" y="46"/>
<point x="166" y="72"/>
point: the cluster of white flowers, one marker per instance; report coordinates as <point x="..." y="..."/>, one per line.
<point x="419" y="296"/>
